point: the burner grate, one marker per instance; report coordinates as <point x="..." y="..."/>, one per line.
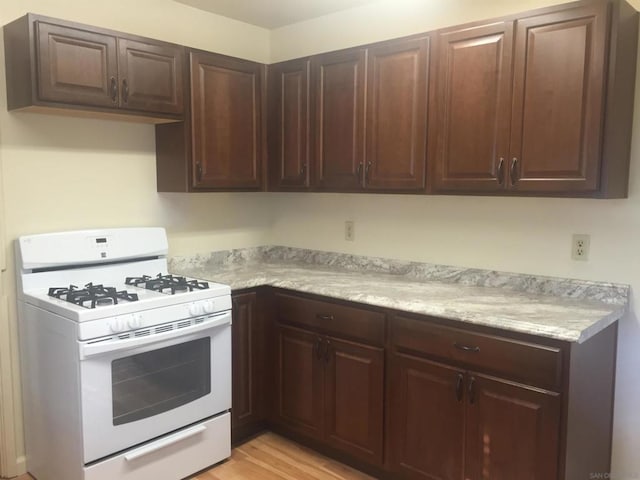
<point x="169" y="284"/>
<point x="91" y="296"/>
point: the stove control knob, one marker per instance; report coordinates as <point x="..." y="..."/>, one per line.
<point x="209" y="306"/>
<point x="195" y="309"/>
<point x="117" y="325"/>
<point x="135" y="321"/>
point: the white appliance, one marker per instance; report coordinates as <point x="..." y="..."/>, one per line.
<point x="126" y="370"/>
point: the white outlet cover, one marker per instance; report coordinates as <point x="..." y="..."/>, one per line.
<point x="580" y="243"/>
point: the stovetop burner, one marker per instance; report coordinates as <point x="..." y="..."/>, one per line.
<point x="91" y="296"/>
<point x="169" y="284"/>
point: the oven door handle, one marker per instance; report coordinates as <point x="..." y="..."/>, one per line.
<point x="92" y="349"/>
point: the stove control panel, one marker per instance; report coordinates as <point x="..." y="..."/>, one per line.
<point x="154" y="316"/>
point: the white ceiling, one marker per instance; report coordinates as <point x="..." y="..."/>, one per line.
<point x="273" y="13"/>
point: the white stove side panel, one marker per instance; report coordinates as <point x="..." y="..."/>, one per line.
<point x="89" y="246"/>
<point x="51" y="395"/>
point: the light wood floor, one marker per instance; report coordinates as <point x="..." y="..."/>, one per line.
<point x="271" y="457"/>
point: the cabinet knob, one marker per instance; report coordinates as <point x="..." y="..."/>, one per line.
<point x="114" y="89"/>
<point x="514" y="170"/>
<point x="198" y="171"/>
<point x="303" y="169"/>
<point x="359" y="169"/>
<point x="324" y="317"/>
<point x="366" y="170"/>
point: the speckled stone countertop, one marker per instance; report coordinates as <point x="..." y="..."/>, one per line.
<point x="564" y="309"/>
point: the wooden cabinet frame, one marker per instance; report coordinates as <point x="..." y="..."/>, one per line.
<point x="59" y="66"/>
<point x="550" y="385"/>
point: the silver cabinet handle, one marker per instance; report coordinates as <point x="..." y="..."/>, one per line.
<point x="514" y="170"/>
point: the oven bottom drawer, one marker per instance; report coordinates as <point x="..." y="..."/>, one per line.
<point x="173" y="456"/>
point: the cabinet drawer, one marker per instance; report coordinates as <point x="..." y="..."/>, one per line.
<point x="331" y="318"/>
<point x="526" y="362"/>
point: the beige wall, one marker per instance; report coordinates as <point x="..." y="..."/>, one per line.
<point x="65" y="173"/>
<point x="72" y="164"/>
<point x="530" y="235"/>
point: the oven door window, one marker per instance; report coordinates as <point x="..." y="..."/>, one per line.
<point x="151" y="383"/>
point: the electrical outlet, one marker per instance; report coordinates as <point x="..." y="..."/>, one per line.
<point x="580" y="247"/>
<point x="350" y="230"/>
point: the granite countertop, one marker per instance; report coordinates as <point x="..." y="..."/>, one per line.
<point x="563" y="309"/>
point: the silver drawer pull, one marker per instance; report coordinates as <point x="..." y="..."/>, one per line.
<point x="466" y="348"/>
<point x="160" y="444"/>
<point x="320" y="316"/>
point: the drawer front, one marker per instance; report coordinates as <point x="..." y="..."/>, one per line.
<point x="335" y="319"/>
<point x="531" y="363"/>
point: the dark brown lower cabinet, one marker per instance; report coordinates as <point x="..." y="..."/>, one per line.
<point x="512" y="431"/>
<point x="413" y="397"/>
<point x="332" y="391"/>
<point x="299" y="373"/>
<point x="247" y="334"/>
<point x="448" y="424"/>
<point x="426" y="419"/>
<point x="354" y="392"/>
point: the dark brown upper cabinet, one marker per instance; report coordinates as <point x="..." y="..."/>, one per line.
<point x="473" y="107"/>
<point x="558" y="100"/>
<point x="396" y="119"/>
<point x="220" y="144"/>
<point x="53" y="64"/>
<point x="338" y="80"/>
<point x="289" y="131"/>
<point x="538" y="104"/>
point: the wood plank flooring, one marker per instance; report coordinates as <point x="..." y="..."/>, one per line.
<point x="271" y="457"/>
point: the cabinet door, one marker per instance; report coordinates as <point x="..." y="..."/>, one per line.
<point x="558" y="100"/>
<point x="76" y="66"/>
<point x="150" y="76"/>
<point x="289" y="136"/>
<point x="226" y="118"/>
<point x="473" y="108"/>
<point x="512" y="431"/>
<point x="339" y="84"/>
<point x="397" y="87"/>
<point x="426" y="415"/>
<point x="354" y="398"/>
<point x="299" y="382"/>
<point x="247" y="363"/>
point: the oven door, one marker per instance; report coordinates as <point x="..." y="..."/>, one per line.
<point x="152" y="382"/>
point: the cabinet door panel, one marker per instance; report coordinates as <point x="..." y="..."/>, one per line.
<point x="354" y="398"/>
<point x="226" y="106"/>
<point x="289" y="142"/>
<point x="473" y="98"/>
<point x="558" y="100"/>
<point x="339" y="80"/>
<point x="150" y="76"/>
<point x="426" y="419"/>
<point x="512" y="431"/>
<point x="246" y="362"/>
<point x="299" y="382"/>
<point x="397" y="84"/>
<point x="76" y="66"/>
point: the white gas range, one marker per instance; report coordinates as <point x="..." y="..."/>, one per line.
<point x="126" y="369"/>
